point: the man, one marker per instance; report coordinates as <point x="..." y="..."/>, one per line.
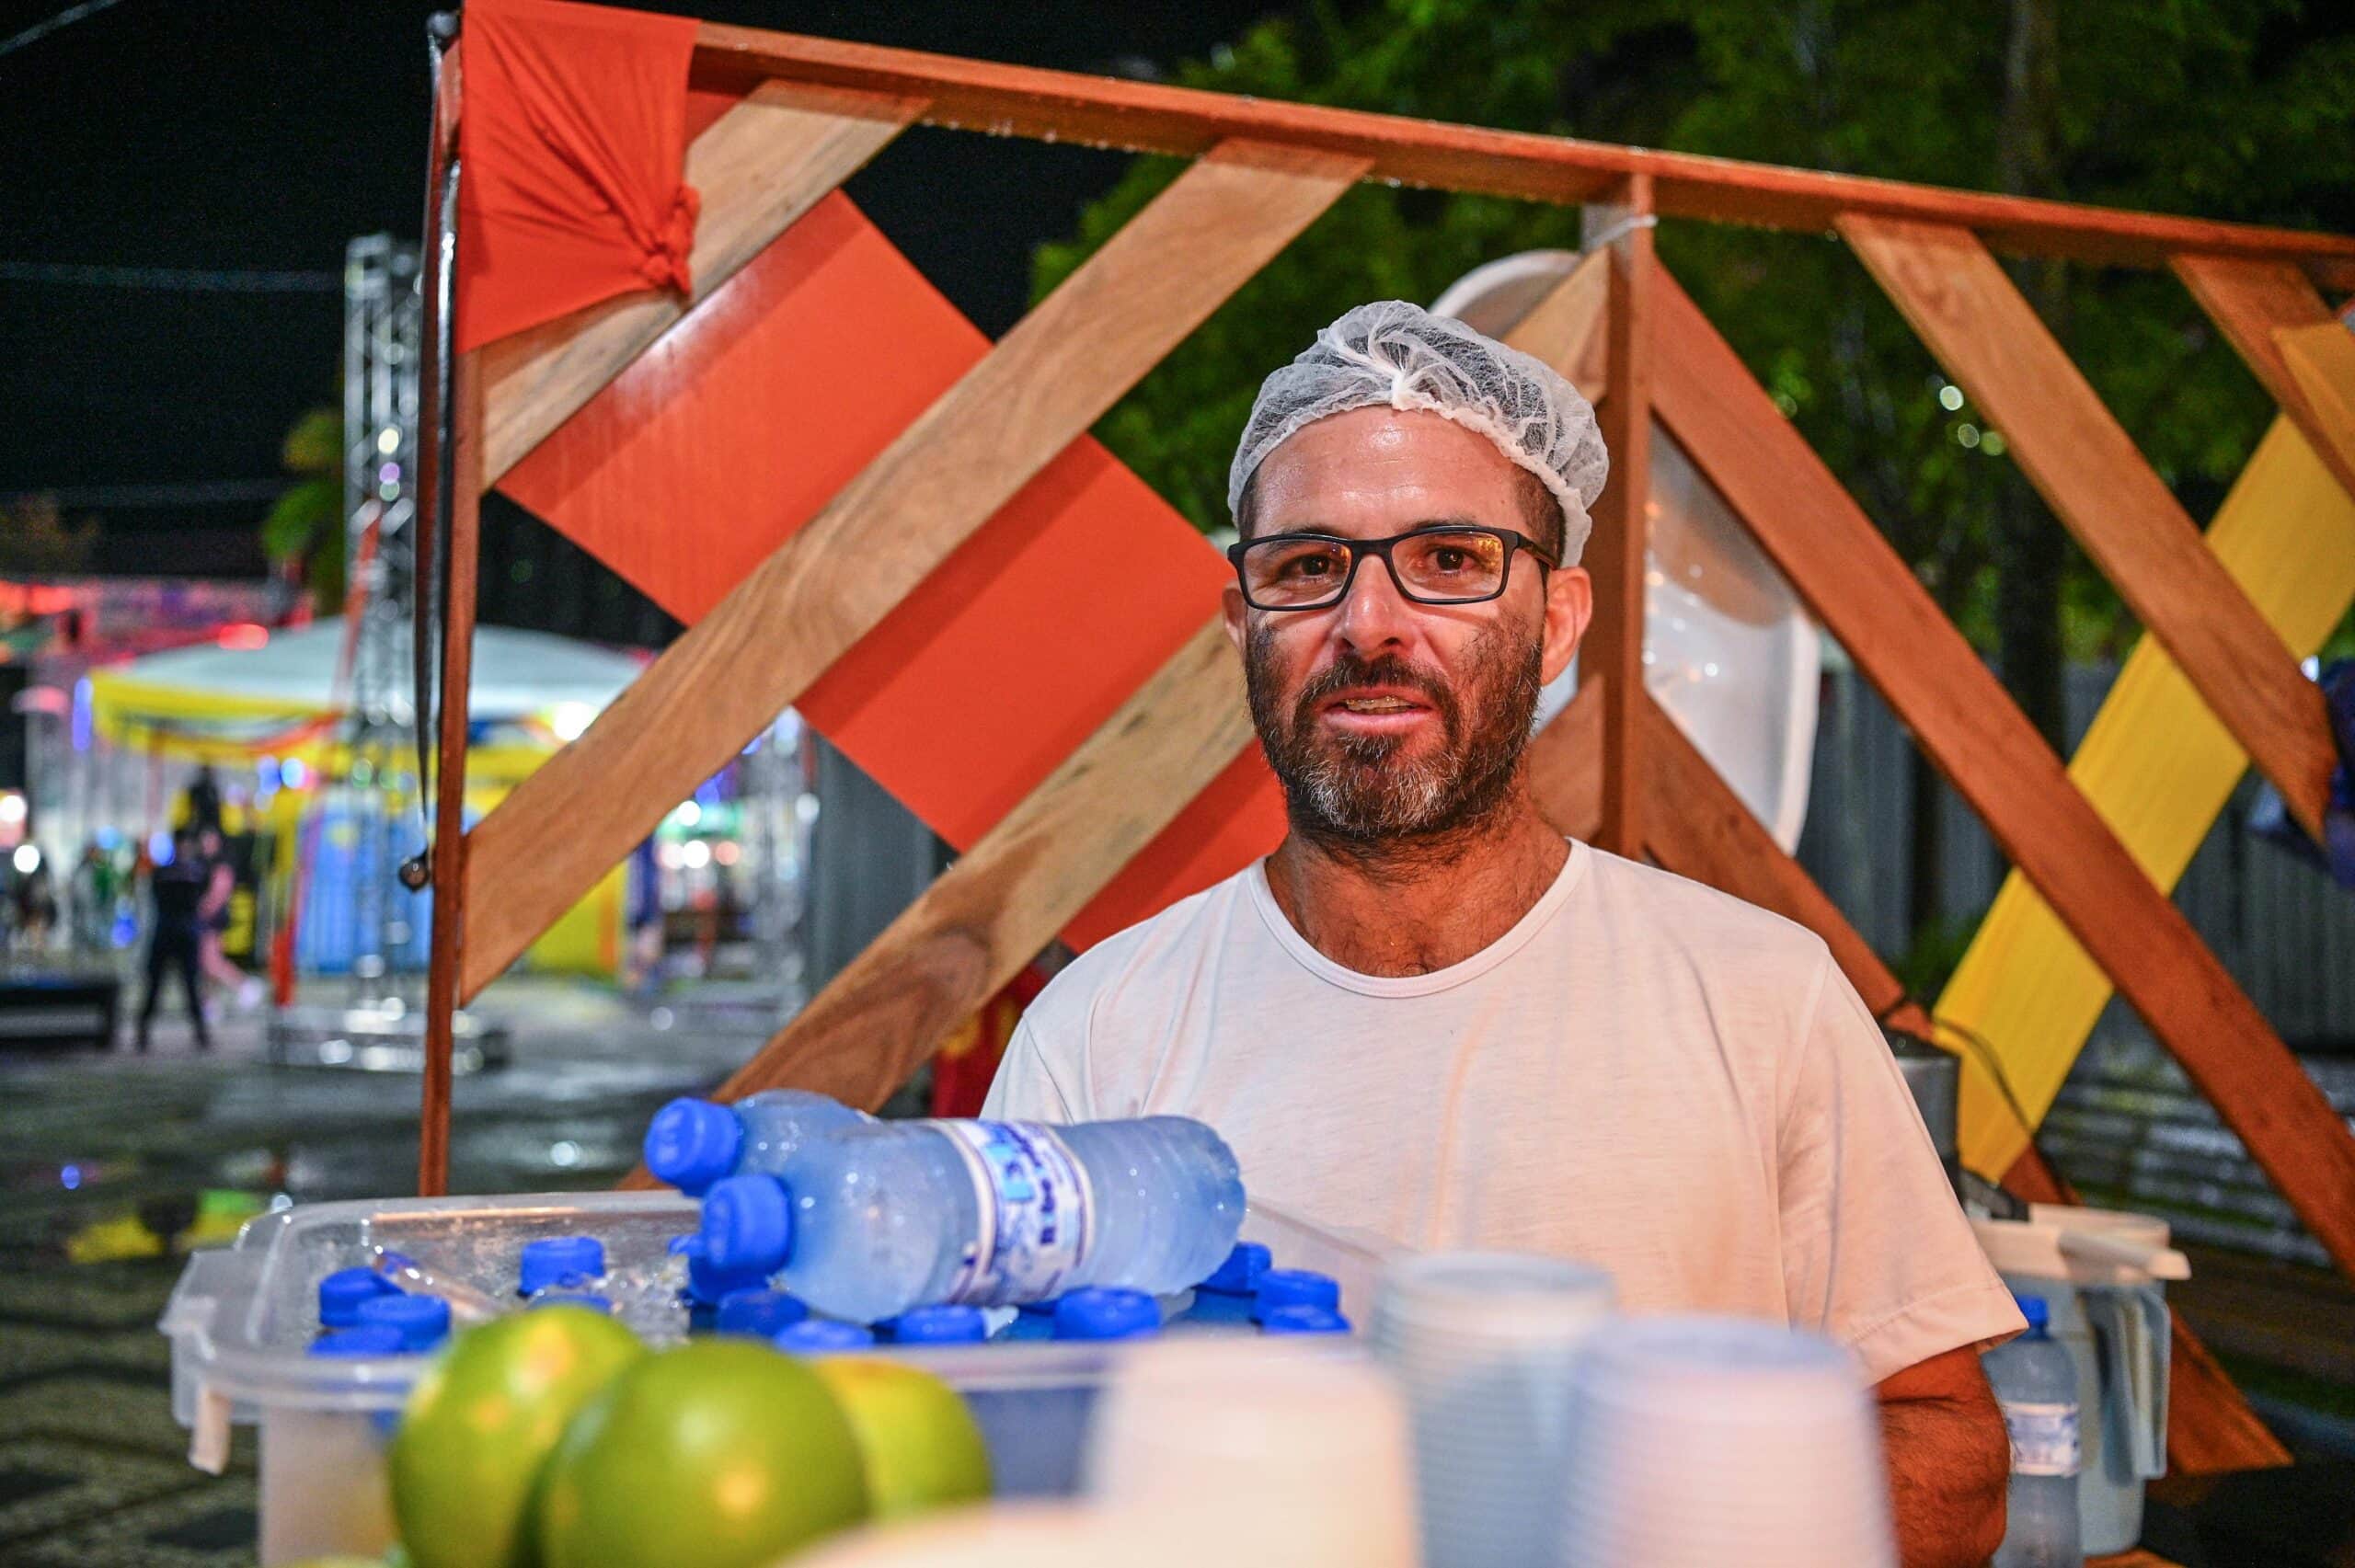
<point x="176" y="890"/>
<point x="1430" y="1015"/>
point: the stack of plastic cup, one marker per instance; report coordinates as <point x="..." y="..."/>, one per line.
<point x="1293" y="1452"/>
<point x="1709" y="1440"/>
<point x="1482" y="1345"/>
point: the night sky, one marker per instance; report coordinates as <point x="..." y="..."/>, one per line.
<point x="265" y="133"/>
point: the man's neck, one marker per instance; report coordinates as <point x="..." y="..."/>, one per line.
<point x="1423" y="906"/>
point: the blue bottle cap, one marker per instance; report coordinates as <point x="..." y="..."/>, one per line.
<point x="423" y="1322"/>
<point x="558" y="1260"/>
<point x="758" y="1311"/>
<point x="341" y="1292"/>
<point x="706" y="1283"/>
<point x="369" y="1339"/>
<point x="950" y="1324"/>
<point x="1107" y="1314"/>
<point x="1296" y="1287"/>
<point x="589" y="1299"/>
<point x="692" y="1143"/>
<point x="1239" y="1274"/>
<point x="748" y="1224"/>
<point x="1303" y="1320"/>
<point x="2034" y="1310"/>
<point x="817" y="1337"/>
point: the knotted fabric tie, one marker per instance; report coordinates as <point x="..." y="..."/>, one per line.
<point x="669" y="261"/>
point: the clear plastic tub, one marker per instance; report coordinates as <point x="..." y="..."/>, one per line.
<point x="242" y="1317"/>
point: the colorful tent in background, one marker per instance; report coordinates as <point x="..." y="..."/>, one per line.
<point x="274" y="693"/>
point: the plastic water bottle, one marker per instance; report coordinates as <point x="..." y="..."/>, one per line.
<point x="2035" y="1383"/>
<point x="868" y="1223"/>
<point x="692" y="1143"/>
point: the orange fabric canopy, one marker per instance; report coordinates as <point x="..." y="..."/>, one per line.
<point x="570" y="143"/>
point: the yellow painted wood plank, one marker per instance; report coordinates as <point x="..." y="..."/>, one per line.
<point x="2159" y="767"/>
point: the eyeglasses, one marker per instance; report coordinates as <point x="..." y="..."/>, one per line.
<point x="1439" y="564"/>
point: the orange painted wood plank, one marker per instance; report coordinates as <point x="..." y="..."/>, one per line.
<point x="992" y="433"/>
<point x="1152" y="117"/>
<point x="2088" y="468"/>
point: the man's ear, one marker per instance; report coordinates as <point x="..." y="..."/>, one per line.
<point x="1569" y="605"/>
<point x="1233" y="610"/>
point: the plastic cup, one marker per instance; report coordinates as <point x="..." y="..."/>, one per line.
<point x="1719" y="1440"/>
<point x="1298" y="1449"/>
<point x="1483" y="1345"/>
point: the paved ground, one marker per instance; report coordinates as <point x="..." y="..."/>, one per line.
<point x="93" y="1471"/>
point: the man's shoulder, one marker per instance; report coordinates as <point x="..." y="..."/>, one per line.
<point x="1702" y="919"/>
<point x="1174" y="939"/>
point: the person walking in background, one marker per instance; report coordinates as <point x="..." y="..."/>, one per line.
<point x="220" y="885"/>
<point x="177" y="890"/>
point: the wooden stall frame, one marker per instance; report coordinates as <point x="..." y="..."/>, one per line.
<point x="815" y="110"/>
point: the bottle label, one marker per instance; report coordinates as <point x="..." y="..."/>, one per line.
<point x="1036" y="1216"/>
<point x="2044" y="1439"/>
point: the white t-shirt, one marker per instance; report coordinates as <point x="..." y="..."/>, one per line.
<point x="1643" y="1073"/>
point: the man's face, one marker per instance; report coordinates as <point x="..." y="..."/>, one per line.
<point x="1385" y="719"/>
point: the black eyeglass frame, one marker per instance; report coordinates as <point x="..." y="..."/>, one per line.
<point x="1513" y="541"/>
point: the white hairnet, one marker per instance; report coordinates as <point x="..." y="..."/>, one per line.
<point x="1400" y="354"/>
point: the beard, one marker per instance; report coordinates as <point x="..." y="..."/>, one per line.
<point x="1354" y="795"/>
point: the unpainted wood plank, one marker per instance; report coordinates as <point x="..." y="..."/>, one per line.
<point x="1563" y="328"/>
<point x="1153" y="116"/>
<point x="835" y="578"/>
<point x="2322" y="361"/>
<point x="757" y="169"/>
<point x="1004" y="901"/>
<point x="1612" y="649"/>
<point x="1856" y="586"/>
<point x="2249" y="301"/>
<point x="2086" y="467"/>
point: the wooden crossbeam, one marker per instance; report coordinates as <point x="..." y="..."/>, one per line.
<point x="1702" y="830"/>
<point x="758" y="167"/>
<point x="2086" y="467"/>
<point x="2250" y="301"/>
<point x="1155" y="117"/>
<point x="835" y="578"/>
<point x="1858" y="588"/>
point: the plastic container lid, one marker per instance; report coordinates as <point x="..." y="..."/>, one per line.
<point x="558" y="1260"/>
<point x="1107" y="1314"/>
<point x="423" y="1322"/>
<point x="706" y="1283"/>
<point x="1240" y="1274"/>
<point x="341" y="1293"/>
<point x="368" y="1339"/>
<point x="1303" y="1320"/>
<point x="758" y="1311"/>
<point x="2034" y="1310"/>
<point x="589" y="1299"/>
<point x="748" y="1224"/>
<point x="950" y="1324"/>
<point x="1296" y="1287"/>
<point x="816" y="1336"/>
<point x="692" y="1143"/>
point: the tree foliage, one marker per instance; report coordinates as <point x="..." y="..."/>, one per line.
<point x="305" y="527"/>
<point x="2233" y="109"/>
